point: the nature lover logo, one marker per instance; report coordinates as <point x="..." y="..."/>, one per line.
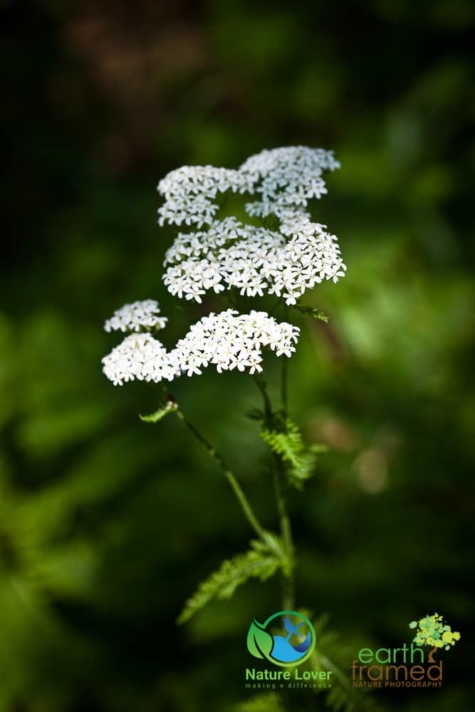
<point x="286" y="638"/>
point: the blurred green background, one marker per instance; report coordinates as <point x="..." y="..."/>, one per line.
<point x="107" y="524"/>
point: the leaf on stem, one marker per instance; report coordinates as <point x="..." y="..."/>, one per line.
<point x="288" y="444"/>
<point x="261" y="561"/>
<point x="169" y="407"/>
<point x="311" y="311"/>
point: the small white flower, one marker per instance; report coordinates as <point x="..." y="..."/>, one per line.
<point x="137" y="316"/>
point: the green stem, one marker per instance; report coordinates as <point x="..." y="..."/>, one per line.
<point x="231" y="477"/>
<point x="283" y="387"/>
<point x="261" y="384"/>
<point x="288" y="586"/>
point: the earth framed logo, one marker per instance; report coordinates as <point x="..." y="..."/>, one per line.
<point x="286" y="638"/>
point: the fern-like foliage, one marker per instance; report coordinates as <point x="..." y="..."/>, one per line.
<point x="287" y="442"/>
<point x="262" y="561"/>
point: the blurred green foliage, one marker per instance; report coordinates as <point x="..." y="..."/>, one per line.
<point x="107" y="524"/>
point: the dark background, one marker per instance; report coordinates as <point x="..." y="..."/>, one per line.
<point x="107" y="524"/>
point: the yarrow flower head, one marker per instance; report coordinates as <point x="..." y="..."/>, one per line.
<point x="137" y="316"/>
<point x="285" y="258"/>
<point x="230" y="340"/>
<point x="287" y="177"/>
<point x="140" y="357"/>
<point x="277" y="250"/>
<point x="227" y="340"/>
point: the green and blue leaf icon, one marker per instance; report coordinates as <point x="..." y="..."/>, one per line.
<point x="259" y="641"/>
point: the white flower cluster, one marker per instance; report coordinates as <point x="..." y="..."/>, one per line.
<point x="136" y="316"/>
<point x="285" y="260"/>
<point x="227" y="340"/>
<point x="253" y="259"/>
<point x="289" y="178"/>
<point x="282" y="177"/>
<point x="189" y="193"/>
<point x="141" y="357"/>
<point x="285" y="256"/>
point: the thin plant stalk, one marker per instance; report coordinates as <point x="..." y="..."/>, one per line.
<point x="288" y="584"/>
<point x="230" y="476"/>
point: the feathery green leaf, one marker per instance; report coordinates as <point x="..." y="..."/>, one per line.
<point x="288" y="444"/>
<point x="261" y="561"/>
